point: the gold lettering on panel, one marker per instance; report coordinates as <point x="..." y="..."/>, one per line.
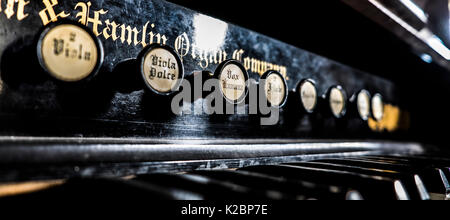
<point x="260" y="67"/>
<point x="136" y="36"/>
<point x="218" y="56"/>
<point x="161" y="39"/>
<point x="144" y="36"/>
<point x="86" y="20"/>
<point x="237" y="54"/>
<point x="112" y="28"/>
<point x="21" y="8"/>
<point x="395" y="119"/>
<point x="203" y="60"/>
<point x="9" y="11"/>
<point x="85" y="7"/>
<point x="182" y="45"/>
<point x="48" y="14"/>
<point x="132" y="35"/>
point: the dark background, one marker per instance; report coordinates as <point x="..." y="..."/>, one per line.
<point x="337" y="31"/>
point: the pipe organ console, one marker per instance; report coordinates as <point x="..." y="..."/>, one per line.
<point x="154" y="100"/>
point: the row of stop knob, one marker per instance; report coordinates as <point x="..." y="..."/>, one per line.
<point x="71" y="53"/>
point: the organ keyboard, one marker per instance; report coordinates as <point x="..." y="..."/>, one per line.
<point x="417" y="177"/>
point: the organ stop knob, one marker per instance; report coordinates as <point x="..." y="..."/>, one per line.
<point x="69" y="52"/>
<point x="378" y="107"/>
<point x="161" y="69"/>
<point x="336" y="102"/>
<point x="233" y="79"/>
<point x="275" y="89"/>
<point x="307" y="95"/>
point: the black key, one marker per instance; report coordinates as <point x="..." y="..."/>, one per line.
<point x="396" y="159"/>
<point x="437" y="162"/>
<point x="387" y="188"/>
<point x="412" y="183"/>
<point x="288" y="189"/>
<point x="361" y="162"/>
<point x="388" y="160"/>
<point x="207" y="187"/>
<point x="429" y="175"/>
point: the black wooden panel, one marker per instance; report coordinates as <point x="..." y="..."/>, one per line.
<point x="30" y="108"/>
